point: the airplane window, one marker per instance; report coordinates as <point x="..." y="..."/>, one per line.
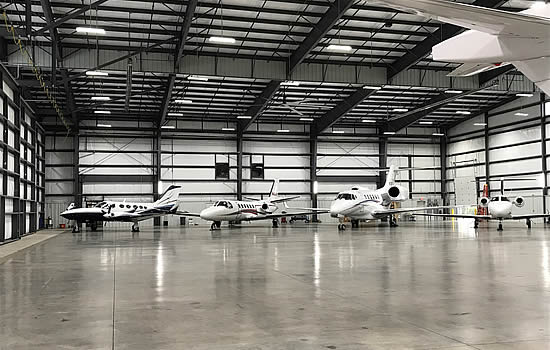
<point x="135" y="206"/>
<point x="121" y="206"/>
<point x="140" y="207"/>
<point x="113" y="205"/>
<point x="100" y="204"/>
<point x="127" y="206"/>
<point x="495" y="199"/>
<point x="229" y="205"/>
<point x="345" y="196"/>
<point x="504" y="199"/>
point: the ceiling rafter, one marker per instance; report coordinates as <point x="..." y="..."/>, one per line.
<point x="166" y="100"/>
<point x="185" y="26"/>
<point x="68" y="16"/>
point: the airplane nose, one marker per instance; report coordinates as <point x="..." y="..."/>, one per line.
<point x="334" y="210"/>
<point x="208" y="214"/>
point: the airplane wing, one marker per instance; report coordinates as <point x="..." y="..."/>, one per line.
<point x="491" y="21"/>
<point x="458" y="216"/>
<point x="386" y="212"/>
<point x="186" y="213"/>
<point x="282" y="215"/>
<point x="530" y="216"/>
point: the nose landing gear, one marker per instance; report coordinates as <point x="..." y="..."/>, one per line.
<point x="215" y="225"/>
<point x="393" y="221"/>
<point x="499" y="226"/>
<point x="135" y="227"/>
<point x="528" y="223"/>
<point x="341" y="227"/>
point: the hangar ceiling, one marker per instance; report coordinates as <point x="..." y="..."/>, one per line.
<point x="295" y="33"/>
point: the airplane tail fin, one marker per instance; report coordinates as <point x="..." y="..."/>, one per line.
<point x="537" y="71"/>
<point x="274" y="189"/>
<point x="170" y="196"/>
<point x="390" y="178"/>
<point x="71" y="206"/>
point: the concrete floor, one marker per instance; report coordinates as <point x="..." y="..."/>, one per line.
<point x="420" y="286"/>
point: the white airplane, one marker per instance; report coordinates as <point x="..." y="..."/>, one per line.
<point x="124" y="211"/>
<point x="256" y="209"/>
<point x="495" y="37"/>
<point x="499" y="208"/>
<point x="361" y="204"/>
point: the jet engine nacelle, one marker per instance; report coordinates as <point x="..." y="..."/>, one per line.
<point x="484" y="202"/>
<point x="396" y="193"/>
<point x="265" y="207"/>
<point x="519" y="202"/>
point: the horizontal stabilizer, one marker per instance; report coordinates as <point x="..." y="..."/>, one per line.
<point x="538" y="71"/>
<point x="283" y="199"/>
<point x="469" y="69"/>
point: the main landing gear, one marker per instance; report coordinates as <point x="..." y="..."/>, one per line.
<point x="215" y="225"/>
<point x="354" y="223"/>
<point x="93" y="226"/>
<point x="275" y="223"/>
<point x="528" y="223"/>
<point x="76" y="227"/>
<point x="135" y="227"/>
<point x="393" y="221"/>
<point x="341" y="227"/>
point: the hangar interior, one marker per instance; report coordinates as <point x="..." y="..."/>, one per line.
<point x="222" y="97"/>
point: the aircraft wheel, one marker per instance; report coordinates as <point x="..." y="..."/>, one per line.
<point x="476" y="223"/>
<point x="341" y="227"/>
<point x="500" y="227"/>
<point x="529" y="223"/>
<point x="393" y="222"/>
<point x="218" y="224"/>
<point x="135" y="228"/>
<point x="354" y="223"/>
<point x="76" y="229"/>
<point x="275" y="223"/>
<point x="94" y="226"/>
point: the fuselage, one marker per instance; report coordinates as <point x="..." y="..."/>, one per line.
<point x="118" y="211"/>
<point x="360" y="204"/>
<point x="500" y="208"/>
<point x="228" y="210"/>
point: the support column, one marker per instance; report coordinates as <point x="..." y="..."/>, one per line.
<point x="382" y="158"/>
<point x="77" y="184"/>
<point x="543" y="149"/>
<point x="239" y="165"/>
<point x="443" y="163"/>
<point x="157" y="159"/>
<point x="487" y="165"/>
<point x="313" y="174"/>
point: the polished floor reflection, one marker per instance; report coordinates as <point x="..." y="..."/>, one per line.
<point x="419" y="286"/>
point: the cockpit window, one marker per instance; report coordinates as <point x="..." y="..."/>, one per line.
<point x="100" y="204"/>
<point x="223" y="204"/>
<point x="500" y="199"/>
<point x="346" y="196"/>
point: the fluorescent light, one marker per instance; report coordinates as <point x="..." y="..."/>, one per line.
<point x="338" y="132"/>
<point x="426" y="123"/>
<point x="173" y="114"/>
<point x="101" y="98"/>
<point x="97" y="73"/>
<point x="228" y="129"/>
<point x="339" y="48"/>
<point x="244" y="117"/>
<point x="480" y="124"/>
<point x="524" y="95"/>
<point x="369" y="87"/>
<point x="197" y="77"/>
<point x="400" y="110"/>
<point x="315" y="187"/>
<point x="184" y="101"/>
<point x="283" y="130"/>
<point x="519" y="114"/>
<point x="389" y="132"/>
<point x="463" y="112"/>
<point x="438" y="134"/>
<point x="103" y="125"/>
<point x="290" y="83"/>
<point x="306" y="119"/>
<point x="168" y="127"/>
<point x="456" y="92"/>
<point x="102" y="112"/>
<point x="89" y="30"/>
<point x="222" y="39"/>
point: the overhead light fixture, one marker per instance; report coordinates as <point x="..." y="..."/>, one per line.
<point x="168" y="127"/>
<point x="89" y="30"/>
<point x="345" y="48"/>
<point x="455" y="92"/>
<point x="369" y="87"/>
<point x="197" y="77"/>
<point x="97" y="73"/>
<point x="102" y="112"/>
<point x="389" y="132"/>
<point x="228" y="129"/>
<point x="524" y="95"/>
<point x="173" y="114"/>
<point x="368" y="121"/>
<point x="400" y="110"/>
<point x="338" y="132"/>
<point x="290" y="83"/>
<point x="244" y="117"/>
<point x="101" y="98"/>
<point x="519" y="114"/>
<point x="480" y="124"/>
<point x="184" y="101"/>
<point x="306" y="119"/>
<point x="222" y="39"/>
<point x="438" y="134"/>
<point x="463" y="112"/>
<point x="103" y="125"/>
<point x="283" y="130"/>
<point x="426" y="123"/>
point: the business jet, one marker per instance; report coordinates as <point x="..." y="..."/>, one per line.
<point x="252" y="210"/>
<point x="361" y="204"/>
<point x="498" y="208"/>
<point x="495" y="37"/>
<point x="124" y="211"/>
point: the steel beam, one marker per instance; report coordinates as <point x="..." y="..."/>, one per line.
<point x="443" y="163"/>
<point x="239" y="166"/>
<point x="338" y="112"/>
<point x="54" y="24"/>
<point x="543" y="150"/>
<point x="313" y="174"/>
<point x="487" y="153"/>
<point x="260" y="104"/>
<point x="423" y="49"/>
<point x="70" y="98"/>
<point x="166" y="100"/>
<point x="117" y="179"/>
<point x="329" y="19"/>
<point x="382" y="158"/>
<point x="57" y="52"/>
<point x="189" y="13"/>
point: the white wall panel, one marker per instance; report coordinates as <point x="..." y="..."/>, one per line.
<point x="347" y="148"/>
<point x="511" y="117"/>
<point x="288" y="174"/>
<point x="91" y="188"/>
<point x="290" y="147"/>
<point x="206" y="146"/>
<point x="347" y="161"/>
<point x="413" y="149"/>
<point x="286" y="161"/>
<point x="516" y="136"/>
<point x="515" y="167"/>
<point x="511" y="153"/>
<point x="188" y="173"/>
<point x="188" y="159"/>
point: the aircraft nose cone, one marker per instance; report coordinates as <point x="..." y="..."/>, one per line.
<point x="208" y="214"/>
<point x="335" y="209"/>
